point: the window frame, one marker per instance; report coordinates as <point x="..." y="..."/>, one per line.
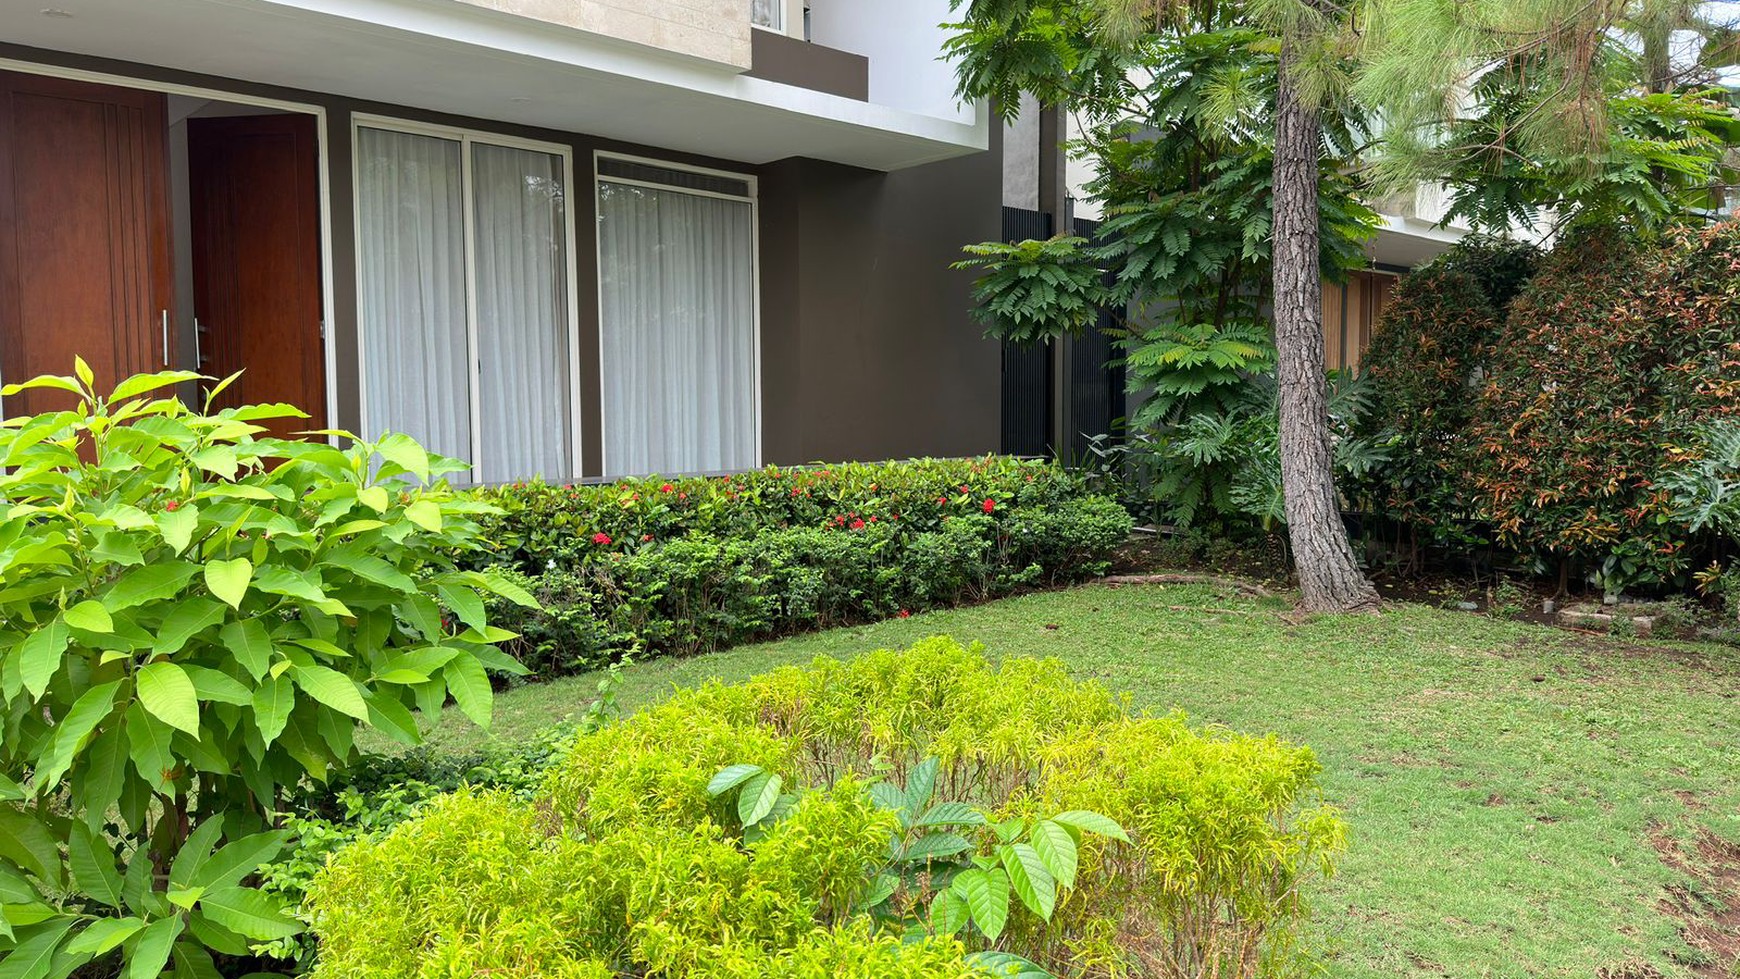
<point x="467" y="137"/>
<point x="753" y="200"/>
<point x="779" y="28"/>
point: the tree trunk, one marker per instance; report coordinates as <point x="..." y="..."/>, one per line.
<point x="1329" y="578"/>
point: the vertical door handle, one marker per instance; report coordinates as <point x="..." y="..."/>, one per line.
<point x="165" y="320"/>
<point x="198" y="357"/>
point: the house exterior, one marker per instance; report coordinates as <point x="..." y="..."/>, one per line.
<point x="574" y="239"/>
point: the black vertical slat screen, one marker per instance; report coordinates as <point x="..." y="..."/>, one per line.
<point x="1095" y="385"/>
<point x="1026" y="367"/>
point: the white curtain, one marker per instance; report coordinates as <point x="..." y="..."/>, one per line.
<point x="767" y="13"/>
<point x="677" y="303"/>
<point x="411" y="287"/>
<point x="522" y="314"/>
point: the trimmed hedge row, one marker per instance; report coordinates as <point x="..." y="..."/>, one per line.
<point x="682" y="566"/>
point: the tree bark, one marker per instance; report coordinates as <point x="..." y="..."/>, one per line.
<point x="1329" y="578"/>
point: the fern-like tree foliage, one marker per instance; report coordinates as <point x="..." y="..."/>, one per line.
<point x="1176" y="112"/>
<point x="1550" y="113"/>
<point x="1225" y="153"/>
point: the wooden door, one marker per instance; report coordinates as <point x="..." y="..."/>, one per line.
<point x="255" y="202"/>
<point x="84" y="234"/>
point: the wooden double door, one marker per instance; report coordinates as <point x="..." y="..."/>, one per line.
<point x="87" y="251"/>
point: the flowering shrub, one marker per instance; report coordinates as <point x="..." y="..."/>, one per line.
<point x="926" y="814"/>
<point x="686" y="566"/>
<point x="543" y="526"/>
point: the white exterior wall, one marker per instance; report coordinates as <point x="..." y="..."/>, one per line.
<point x="711" y="30"/>
<point x="904" y="41"/>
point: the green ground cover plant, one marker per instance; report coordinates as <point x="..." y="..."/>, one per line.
<point x="924" y="813"/>
<point x="1505" y="786"/>
<point x="195" y="620"/>
<point x="681" y="566"/>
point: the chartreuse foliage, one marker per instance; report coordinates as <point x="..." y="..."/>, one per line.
<point x="194" y="618"/>
<point x="925" y="813"/>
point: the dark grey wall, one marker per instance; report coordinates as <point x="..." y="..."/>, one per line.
<point x="868" y="351"/>
<point x="873" y="326"/>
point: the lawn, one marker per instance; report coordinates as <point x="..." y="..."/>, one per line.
<point x="1503" y="782"/>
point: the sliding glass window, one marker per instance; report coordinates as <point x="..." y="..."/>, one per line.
<point x="678" y="330"/>
<point x="464" y="287"/>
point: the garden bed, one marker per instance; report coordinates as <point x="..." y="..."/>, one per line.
<point x="1529" y="766"/>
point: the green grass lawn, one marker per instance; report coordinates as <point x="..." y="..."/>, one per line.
<point x="1501" y="781"/>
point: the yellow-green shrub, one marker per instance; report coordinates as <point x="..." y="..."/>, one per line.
<point x="634" y="857"/>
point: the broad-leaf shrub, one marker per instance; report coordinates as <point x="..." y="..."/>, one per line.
<point x="690" y="565"/>
<point x="1608" y="361"/>
<point x="543" y="526"/>
<point x="195" y="618"/>
<point x="1424" y="370"/>
<point x="773" y="828"/>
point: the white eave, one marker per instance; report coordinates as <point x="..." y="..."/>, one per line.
<point x="1410" y="242"/>
<point x="456" y="58"/>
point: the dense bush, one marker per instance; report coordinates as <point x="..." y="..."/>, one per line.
<point x="1424" y="369"/>
<point x="1556" y="429"/>
<point x="907" y="814"/>
<point x="543" y="526"/>
<point x="196" y="619"/>
<point x="1608" y="359"/>
<point x="689" y="565"/>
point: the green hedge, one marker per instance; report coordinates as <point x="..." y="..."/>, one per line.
<point x="925" y="814"/>
<point x="658" y="566"/>
<point x="1554" y="430"/>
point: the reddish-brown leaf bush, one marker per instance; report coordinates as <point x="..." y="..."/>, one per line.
<point x="1607" y="358"/>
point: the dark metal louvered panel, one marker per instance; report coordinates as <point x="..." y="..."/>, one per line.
<point x="1027" y="406"/>
<point x="1095" y="386"/>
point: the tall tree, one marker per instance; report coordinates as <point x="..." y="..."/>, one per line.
<point x="1330" y="579"/>
<point x="1543" y="113"/>
<point x="1085" y="53"/>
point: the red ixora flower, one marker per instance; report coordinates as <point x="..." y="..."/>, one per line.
<point x="601" y="538"/>
<point x="172" y="506"/>
<point x="990" y="505"/>
<point x="941" y="500"/>
<point x="857" y="525"/>
<point x="666" y="488"/>
<point x="905" y="614"/>
<point x="645" y="537"/>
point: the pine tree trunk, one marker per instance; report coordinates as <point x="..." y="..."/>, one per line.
<point x="1329" y="578"/>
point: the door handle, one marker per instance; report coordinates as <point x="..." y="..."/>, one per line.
<point x="165" y="320"/>
<point x="198" y="357"/>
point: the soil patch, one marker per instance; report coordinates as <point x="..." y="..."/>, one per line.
<point x="1708" y="909"/>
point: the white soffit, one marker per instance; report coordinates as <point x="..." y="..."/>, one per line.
<point x="1410" y="242"/>
<point x="452" y="57"/>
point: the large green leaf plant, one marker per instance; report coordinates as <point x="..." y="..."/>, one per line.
<point x="194" y="617"/>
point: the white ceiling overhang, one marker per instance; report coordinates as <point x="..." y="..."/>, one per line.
<point x="1410" y="242"/>
<point x="452" y="57"/>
